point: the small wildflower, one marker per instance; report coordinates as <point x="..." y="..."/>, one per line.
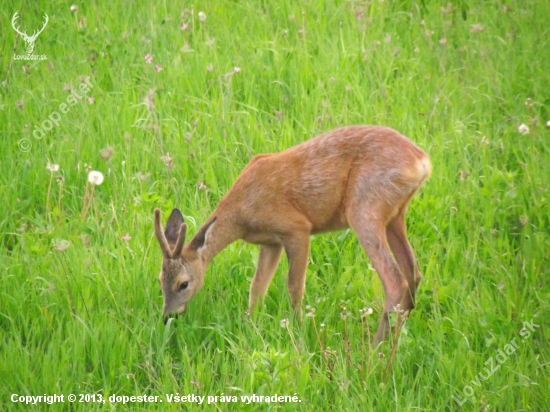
<point x="365" y="312"/>
<point x="523" y="220"/>
<point x="387" y="39"/>
<point x="150" y="100"/>
<point x="60" y="245"/>
<point x="548" y="124"/>
<point x="158" y="68"/>
<point x="73" y="8"/>
<point x="301" y="31"/>
<point x="95" y="178"/>
<point x="91" y="100"/>
<point x="343" y="315"/>
<point x="322" y="326"/>
<point x="237" y="69"/>
<point x="359" y="15"/>
<point x="284" y="323"/>
<point x="142" y="177"/>
<point x="310" y="313"/>
<point x="52" y="167"/>
<point x="107" y="153"/>
<point x="20" y="104"/>
<point x="184" y="27"/>
<point x="167" y="160"/>
<point x="126" y="238"/>
<point x="202" y="17"/>
<point x="443" y="42"/>
<point x="202" y="186"/>
<point x="148" y="59"/>
<point x="523" y="129"/>
<point x="210" y="68"/>
<point x="477" y="28"/>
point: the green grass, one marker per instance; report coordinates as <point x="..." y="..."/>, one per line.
<point x="87" y="320"/>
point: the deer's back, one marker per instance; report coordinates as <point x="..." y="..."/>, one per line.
<point x="317" y="180"/>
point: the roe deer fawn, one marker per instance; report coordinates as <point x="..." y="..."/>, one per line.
<point x="362" y="177"/>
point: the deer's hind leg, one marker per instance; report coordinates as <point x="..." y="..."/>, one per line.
<point x="396" y="233"/>
<point x="369" y="222"/>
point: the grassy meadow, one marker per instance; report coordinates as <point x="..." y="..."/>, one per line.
<point x="172" y="101"/>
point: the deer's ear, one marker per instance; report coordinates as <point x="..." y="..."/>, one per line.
<point x="202" y="235"/>
<point x="172" y="230"/>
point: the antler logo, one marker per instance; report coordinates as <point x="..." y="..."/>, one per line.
<point x="28" y="39"/>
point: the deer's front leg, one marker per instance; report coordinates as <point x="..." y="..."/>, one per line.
<point x="267" y="265"/>
<point x="297" y="250"/>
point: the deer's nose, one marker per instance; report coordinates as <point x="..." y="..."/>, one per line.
<point x="166" y="317"/>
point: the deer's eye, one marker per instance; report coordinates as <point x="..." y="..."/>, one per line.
<point x="184" y="285"/>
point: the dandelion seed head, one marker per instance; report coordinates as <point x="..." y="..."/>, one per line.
<point x="95" y="177"/>
<point x="523" y="129"/>
<point x="284" y="323"/>
<point x="202" y="17"/>
<point x="52" y="167"/>
<point x="73" y="8"/>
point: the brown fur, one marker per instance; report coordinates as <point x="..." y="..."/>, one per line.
<point x="361" y="177"/>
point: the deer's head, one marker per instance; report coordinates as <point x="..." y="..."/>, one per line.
<point x="183" y="268"/>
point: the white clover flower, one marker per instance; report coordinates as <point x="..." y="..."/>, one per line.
<point x="52" y="167"/>
<point x="95" y="178"/>
<point x="202" y="17"/>
<point x="523" y="129"/>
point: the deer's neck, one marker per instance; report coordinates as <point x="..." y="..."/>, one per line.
<point x="222" y="233"/>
